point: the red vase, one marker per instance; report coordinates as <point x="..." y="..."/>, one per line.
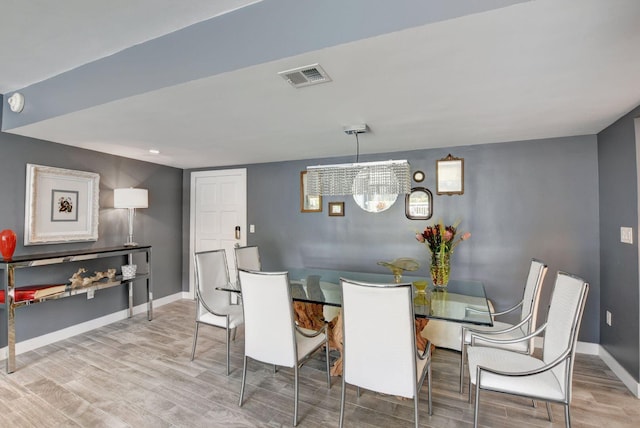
<point x="7" y="243"/>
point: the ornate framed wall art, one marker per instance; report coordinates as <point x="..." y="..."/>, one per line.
<point x="61" y="205"/>
<point x="450" y="176"/>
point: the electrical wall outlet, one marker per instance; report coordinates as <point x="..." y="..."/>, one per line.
<point x="626" y="235"/>
<point x="252" y="228"/>
<point x="608" y="313"/>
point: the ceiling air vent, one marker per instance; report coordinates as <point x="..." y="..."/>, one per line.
<point x="305" y="76"/>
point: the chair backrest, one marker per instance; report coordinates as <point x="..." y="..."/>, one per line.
<point x="532" y="291"/>
<point x="379" y="337"/>
<point x="563" y="323"/>
<point x="268" y="317"/>
<point x="248" y="258"/>
<point x="211" y="272"/>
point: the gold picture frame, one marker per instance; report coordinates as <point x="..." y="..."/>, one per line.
<point x="450" y="176"/>
<point x="336" y="209"/>
<point x="308" y="203"/>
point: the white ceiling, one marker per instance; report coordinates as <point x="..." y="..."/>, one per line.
<point x="537" y="69"/>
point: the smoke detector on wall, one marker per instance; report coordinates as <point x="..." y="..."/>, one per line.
<point x="305" y="76"/>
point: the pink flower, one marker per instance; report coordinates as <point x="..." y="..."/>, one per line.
<point x="466" y="236"/>
<point x="419" y="237"/>
<point x="448" y="235"/>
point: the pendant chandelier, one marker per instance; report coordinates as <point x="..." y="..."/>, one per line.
<point x="392" y="177"/>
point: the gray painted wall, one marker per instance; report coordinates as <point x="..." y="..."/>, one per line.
<point x="159" y="226"/>
<point x="619" y="262"/>
<point x="522" y="200"/>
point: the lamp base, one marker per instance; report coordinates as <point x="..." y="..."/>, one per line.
<point x="130" y="244"/>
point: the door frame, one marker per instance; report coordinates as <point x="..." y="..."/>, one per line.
<point x="192" y="215"/>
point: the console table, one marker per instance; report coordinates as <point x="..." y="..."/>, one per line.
<point x="33" y="260"/>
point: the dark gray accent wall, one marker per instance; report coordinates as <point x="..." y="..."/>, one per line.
<point x="619" y="262"/>
<point x="159" y="226"/>
<point x="522" y="200"/>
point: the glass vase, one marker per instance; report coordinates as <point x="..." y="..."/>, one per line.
<point x="440" y="268"/>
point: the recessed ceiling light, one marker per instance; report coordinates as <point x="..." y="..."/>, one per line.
<point x="154" y="151"/>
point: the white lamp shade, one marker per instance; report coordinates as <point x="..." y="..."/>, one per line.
<point x="130" y="198"/>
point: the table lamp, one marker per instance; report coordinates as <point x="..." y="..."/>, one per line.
<point x="130" y="198"/>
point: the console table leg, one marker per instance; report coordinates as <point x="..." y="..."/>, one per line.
<point x="11" y="340"/>
<point x="9" y="317"/>
<point x="149" y="288"/>
<point x="130" y="285"/>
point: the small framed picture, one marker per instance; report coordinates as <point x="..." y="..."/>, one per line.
<point x="336" y="209"/>
<point x="450" y="176"/>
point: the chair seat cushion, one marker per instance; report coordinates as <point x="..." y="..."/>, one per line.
<point x="306" y="345"/>
<point x="235" y="317"/>
<point x="497" y="325"/>
<point x="544" y="385"/>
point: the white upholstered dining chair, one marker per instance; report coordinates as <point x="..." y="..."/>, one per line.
<point x="214" y="306"/>
<point x="271" y="335"/>
<point x="528" y="306"/>
<point x="248" y="258"/>
<point x="388" y="363"/>
<point x="548" y="379"/>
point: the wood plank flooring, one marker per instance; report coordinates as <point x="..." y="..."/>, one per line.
<point x="136" y="373"/>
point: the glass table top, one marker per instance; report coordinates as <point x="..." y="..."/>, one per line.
<point x="464" y="301"/>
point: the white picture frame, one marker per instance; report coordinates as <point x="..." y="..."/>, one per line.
<point x="61" y="205"/>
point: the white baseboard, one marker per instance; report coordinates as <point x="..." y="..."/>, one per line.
<point x="628" y="380"/>
<point x="65" y="333"/>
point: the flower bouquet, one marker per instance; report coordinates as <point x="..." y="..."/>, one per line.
<point x="441" y="241"/>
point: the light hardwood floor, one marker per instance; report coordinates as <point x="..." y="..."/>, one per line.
<point x="136" y="373"/>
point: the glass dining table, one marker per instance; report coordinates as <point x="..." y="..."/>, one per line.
<point x="464" y="301"/>
<point x="313" y="291"/>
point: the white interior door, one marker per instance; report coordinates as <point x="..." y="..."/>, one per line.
<point x="218" y="214"/>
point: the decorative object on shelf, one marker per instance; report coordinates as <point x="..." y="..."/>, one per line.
<point x="420" y="297"/>
<point x="375" y="186"/>
<point x="418" y="205"/>
<point x="336" y="209"/>
<point x="62" y="205"/>
<point x="399" y="266"/>
<point x="131" y="199"/>
<point x="77" y="280"/>
<point x="309" y="202"/>
<point x="418" y="176"/>
<point x="7" y="243"/>
<point x="129" y="271"/>
<point x="450" y="176"/>
<point x="440" y="240"/>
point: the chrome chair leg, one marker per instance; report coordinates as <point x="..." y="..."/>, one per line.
<point x="244" y="376"/>
<point x="328" y="365"/>
<point x="234" y="333"/>
<point x="228" y="340"/>
<point x="295" y="392"/>
<point x="195" y="339"/>
<point x="463" y="354"/>
<point x="429" y="387"/>
<point x="342" y="394"/>
<point x="549" y="412"/>
<point x="567" y="416"/>
<point x="477" y="406"/>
